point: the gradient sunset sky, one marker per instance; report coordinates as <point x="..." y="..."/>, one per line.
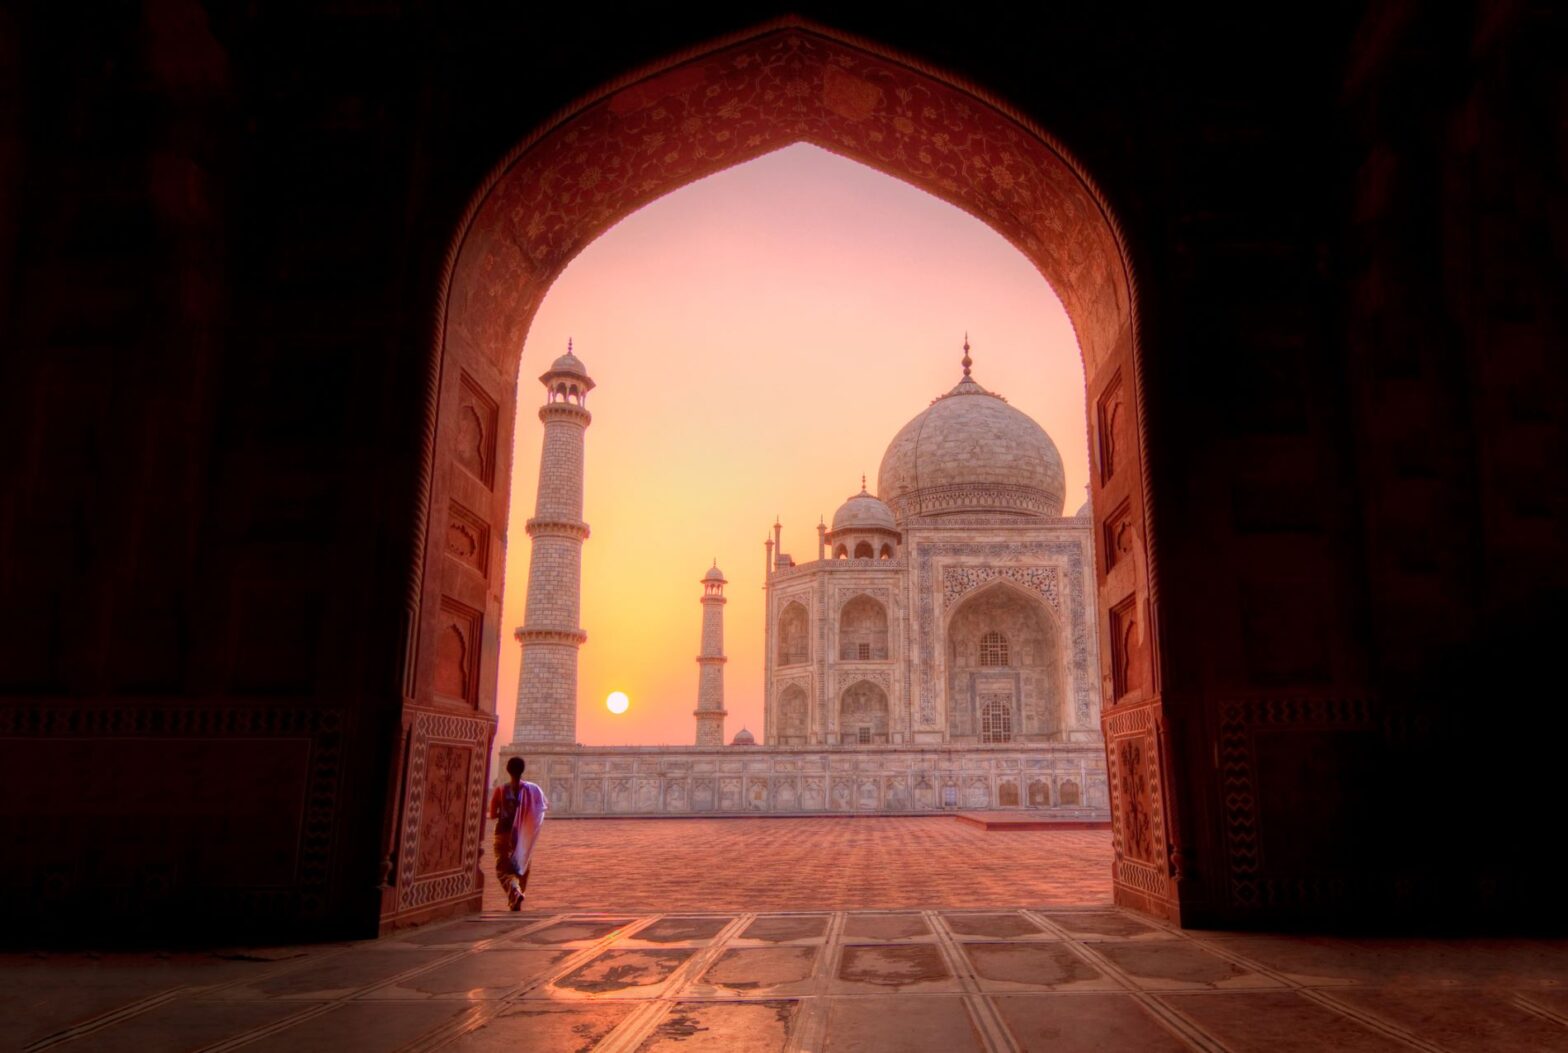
<point x="758" y="338"/>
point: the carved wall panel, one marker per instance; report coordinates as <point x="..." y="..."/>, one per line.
<point x="447" y="768"/>
<point x="1114" y="420"/>
<point x="477" y="416"/>
<point x="468" y="539"/>
<point x="439" y="849"/>
<point x="457" y="652"/>
<point x="1120" y="536"/>
<point x="1129" y="650"/>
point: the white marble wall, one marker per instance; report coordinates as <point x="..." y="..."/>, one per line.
<point x="733" y="780"/>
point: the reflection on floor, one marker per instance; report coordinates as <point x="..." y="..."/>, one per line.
<point x="907" y="980"/>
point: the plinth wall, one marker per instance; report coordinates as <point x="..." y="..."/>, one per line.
<point x="1067" y="779"/>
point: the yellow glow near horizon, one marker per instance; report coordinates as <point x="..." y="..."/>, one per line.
<point x="617" y="702"/>
<point x="757" y="338"/>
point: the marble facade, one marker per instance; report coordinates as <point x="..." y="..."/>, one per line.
<point x="1068" y="780"/>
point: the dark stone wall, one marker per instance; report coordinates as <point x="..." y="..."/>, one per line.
<point x="221" y="230"/>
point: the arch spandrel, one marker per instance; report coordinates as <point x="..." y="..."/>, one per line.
<point x="633" y="143"/>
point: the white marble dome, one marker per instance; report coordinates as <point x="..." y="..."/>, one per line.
<point x="743" y="738"/>
<point x="569" y="363"/>
<point x="714" y="573"/>
<point x="970" y="453"/>
<point x="863" y="512"/>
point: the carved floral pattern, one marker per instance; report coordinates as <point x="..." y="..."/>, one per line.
<point x="957" y="581"/>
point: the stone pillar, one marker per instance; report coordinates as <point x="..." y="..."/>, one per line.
<point x="550" y="635"/>
<point x="710" y="712"/>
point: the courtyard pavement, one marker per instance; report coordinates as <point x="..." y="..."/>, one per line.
<point x="943" y="977"/>
<point x="821" y="863"/>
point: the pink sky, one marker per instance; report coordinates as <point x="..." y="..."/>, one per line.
<point x="757" y="338"/>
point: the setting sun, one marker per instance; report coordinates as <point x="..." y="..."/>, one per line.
<point x="617" y="702"/>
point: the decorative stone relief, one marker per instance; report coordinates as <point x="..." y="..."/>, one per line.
<point x="958" y="581"/>
<point x="476" y="430"/>
<point x="468" y="539"/>
<point x="446" y="780"/>
<point x="457" y="652"/>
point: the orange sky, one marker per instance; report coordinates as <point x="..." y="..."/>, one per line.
<point x="757" y="339"/>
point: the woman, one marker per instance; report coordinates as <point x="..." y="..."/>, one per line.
<point x="518" y="810"/>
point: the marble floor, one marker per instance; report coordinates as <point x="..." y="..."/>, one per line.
<point x="943" y="980"/>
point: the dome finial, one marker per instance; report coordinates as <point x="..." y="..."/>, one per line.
<point x="967" y="360"/>
<point x="862" y="482"/>
<point x="569" y="344"/>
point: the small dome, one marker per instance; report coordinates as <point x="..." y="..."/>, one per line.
<point x="969" y="453"/>
<point x="743" y="738"/>
<point x="863" y="512"/>
<point x="569" y="363"/>
<point x="1084" y="511"/>
<point x="714" y="573"/>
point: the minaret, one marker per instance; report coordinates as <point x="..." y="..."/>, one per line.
<point x="710" y="712"/>
<point x="547" y="691"/>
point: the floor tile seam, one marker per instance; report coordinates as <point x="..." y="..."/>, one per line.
<point x="831" y="955"/>
<point x="1184" y="1028"/>
<point x="808" y="1028"/>
<point x="450" y="1031"/>
<point x="693" y="967"/>
<point x="110" y="1017"/>
<point x="1370" y="1020"/>
<point x="1523" y="1001"/>
<point x="987" y="1019"/>
<point x="635" y="1027"/>
<point x="256" y="1034"/>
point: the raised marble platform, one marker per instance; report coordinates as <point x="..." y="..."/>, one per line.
<point x="1057" y="778"/>
<point x="1069" y="819"/>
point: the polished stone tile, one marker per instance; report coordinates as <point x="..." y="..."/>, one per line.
<point x="723" y="1027"/>
<point x="1179" y="963"/>
<point x="483" y="974"/>
<point x="932" y="1024"/>
<point x="1106" y="923"/>
<point x="1084" y="1023"/>
<point x="1467" y="1021"/>
<point x="461" y="933"/>
<point x="999" y="926"/>
<point x="629" y="971"/>
<point x="545" y="1027"/>
<point x="753" y="969"/>
<point x="893" y="965"/>
<point x="361" y="1027"/>
<point x="1050" y="965"/>
<point x="183" y="1025"/>
<point x="885" y="926"/>
<point x="787" y="928"/>
<point x="337" y="976"/>
<point x="1277" y="1022"/>
<point x="575" y="932"/>
<point x="679" y="930"/>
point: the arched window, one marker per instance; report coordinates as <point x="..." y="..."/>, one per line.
<point x="887" y="551"/>
<point x="841" y="553"/>
<point x="996" y="722"/>
<point x="793" y="646"/>
<point x="993" y="649"/>
<point x="863" y="551"/>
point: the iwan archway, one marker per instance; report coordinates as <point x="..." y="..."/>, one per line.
<point x="629" y="143"/>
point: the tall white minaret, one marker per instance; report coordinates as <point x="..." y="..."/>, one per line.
<point x="710" y="712"/>
<point x="547" y="691"/>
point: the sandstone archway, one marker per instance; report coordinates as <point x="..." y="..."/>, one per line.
<point x="639" y="138"/>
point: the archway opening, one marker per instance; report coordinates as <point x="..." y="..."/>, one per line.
<point x="668" y="126"/>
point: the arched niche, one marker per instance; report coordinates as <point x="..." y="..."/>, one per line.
<point x="662" y="127"/>
<point x="792" y="725"/>
<point x="1004" y="649"/>
<point x="794" y="643"/>
<point x="863" y="716"/>
<point x="862" y="631"/>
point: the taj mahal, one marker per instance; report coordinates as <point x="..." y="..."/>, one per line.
<point x="938" y="654"/>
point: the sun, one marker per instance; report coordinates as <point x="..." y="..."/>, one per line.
<point x="617" y="702"/>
